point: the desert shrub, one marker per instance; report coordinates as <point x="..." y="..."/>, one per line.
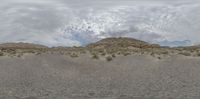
<point x="152" y="54"/>
<point x="165" y="52"/>
<point x="185" y="53"/>
<point x="30" y="51"/>
<point x="109" y="58"/>
<point x="159" y="57"/>
<point x="119" y="53"/>
<point x="198" y="54"/>
<point x="126" y="54"/>
<point x="101" y="51"/>
<point x="38" y="53"/>
<point x="11" y="51"/>
<point x="83" y="52"/>
<point x="20" y="55"/>
<point x="192" y="51"/>
<point x="142" y="53"/>
<point x="95" y="56"/>
<point x="103" y="54"/>
<point x="113" y="55"/>
<point x="1" y="54"/>
<point x="61" y="53"/>
<point x="172" y="52"/>
<point x="91" y="94"/>
<point x="74" y="55"/>
<point x="3" y="49"/>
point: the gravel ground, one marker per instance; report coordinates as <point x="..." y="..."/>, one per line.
<point x="126" y="77"/>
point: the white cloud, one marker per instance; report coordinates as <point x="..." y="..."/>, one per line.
<point x="68" y="23"/>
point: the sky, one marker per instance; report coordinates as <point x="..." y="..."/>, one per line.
<point x="79" y="22"/>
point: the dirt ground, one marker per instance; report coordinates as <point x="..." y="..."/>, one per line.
<point x="52" y="76"/>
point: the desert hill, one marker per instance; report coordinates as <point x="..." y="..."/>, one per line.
<point x="21" y="45"/>
<point x="105" y="47"/>
<point x="122" y="42"/>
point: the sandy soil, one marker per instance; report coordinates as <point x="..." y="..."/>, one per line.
<point x="52" y="76"/>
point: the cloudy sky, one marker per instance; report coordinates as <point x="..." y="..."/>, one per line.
<point x="79" y="22"/>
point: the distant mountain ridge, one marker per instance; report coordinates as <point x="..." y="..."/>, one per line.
<point x="113" y="42"/>
<point x="21" y="45"/>
<point x="120" y="40"/>
<point x="176" y="43"/>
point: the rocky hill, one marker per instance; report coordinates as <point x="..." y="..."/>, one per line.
<point x="122" y="42"/>
<point x="21" y="45"/>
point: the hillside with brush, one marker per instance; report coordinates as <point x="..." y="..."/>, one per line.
<point x="104" y="48"/>
<point x="112" y="68"/>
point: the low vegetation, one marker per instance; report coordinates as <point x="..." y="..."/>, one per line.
<point x="107" y="48"/>
<point x="185" y="53"/>
<point x="109" y="58"/>
<point x="1" y="54"/>
<point x="126" y="53"/>
<point x="95" y="56"/>
<point x="198" y="54"/>
<point x="74" y="55"/>
<point x="113" y="55"/>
